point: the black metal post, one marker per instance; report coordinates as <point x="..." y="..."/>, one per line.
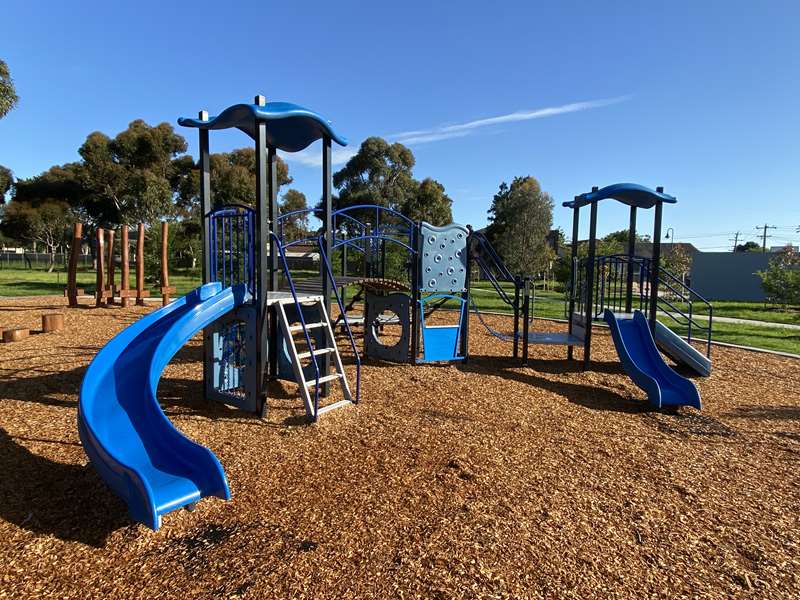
<point x="517" y="286"/>
<point x="205" y="207"/>
<point x="272" y="193"/>
<point x="526" y="311"/>
<point x="262" y="283"/>
<point x="655" y="264"/>
<point x="465" y="307"/>
<point x="327" y="224"/>
<point x="415" y="295"/>
<point x="589" y="315"/>
<point x="631" y="253"/>
<point x="574" y="272"/>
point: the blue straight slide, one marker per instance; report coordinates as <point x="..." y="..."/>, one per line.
<point x="640" y="357"/>
<point x="134" y="447"/>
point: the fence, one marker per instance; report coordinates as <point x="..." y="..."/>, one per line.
<point x="39" y="260"/>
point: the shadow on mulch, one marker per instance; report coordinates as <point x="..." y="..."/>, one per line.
<point x="766" y="413"/>
<point x="595" y="398"/>
<point x="42" y="496"/>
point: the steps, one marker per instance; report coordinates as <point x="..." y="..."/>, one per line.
<point x="310" y="388"/>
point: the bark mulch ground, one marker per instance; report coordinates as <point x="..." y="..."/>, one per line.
<point x="477" y="480"/>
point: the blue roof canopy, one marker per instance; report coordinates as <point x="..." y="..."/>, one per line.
<point x="631" y="194"/>
<point x="289" y="127"/>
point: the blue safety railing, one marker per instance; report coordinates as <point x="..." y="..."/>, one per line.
<point x="232" y="247"/>
<point x="342" y="312"/>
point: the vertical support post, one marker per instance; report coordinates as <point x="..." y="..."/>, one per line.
<point x="517" y="289"/>
<point x="72" y="270"/>
<point x="631" y="253"/>
<point x="99" y="252"/>
<point x="164" y="263"/>
<point x="110" y="269"/>
<point x="124" y="284"/>
<point x="205" y="197"/>
<point x="263" y="240"/>
<point x="574" y="270"/>
<point x="415" y="293"/>
<point x="464" y="350"/>
<point x="327" y="225"/>
<point x="140" y="265"/>
<point x="272" y="193"/>
<point x="343" y="291"/>
<point x="655" y="265"/>
<point x="590" y="260"/>
<point x="526" y="312"/>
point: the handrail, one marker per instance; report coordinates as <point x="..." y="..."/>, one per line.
<point x="329" y="271"/>
<point x="285" y="264"/>
<point x="493" y="280"/>
<point x="498" y="262"/>
<point x="378" y="209"/>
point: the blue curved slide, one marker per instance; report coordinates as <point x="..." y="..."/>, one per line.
<point x="640" y="357"/>
<point x="134" y="447"/>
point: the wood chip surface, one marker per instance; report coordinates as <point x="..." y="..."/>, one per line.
<point x="481" y="480"/>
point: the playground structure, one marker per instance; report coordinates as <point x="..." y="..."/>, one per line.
<point x="106" y="291"/>
<point x="259" y="324"/>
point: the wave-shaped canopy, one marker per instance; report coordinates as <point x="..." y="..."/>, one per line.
<point x="631" y="194"/>
<point x="289" y="127"/>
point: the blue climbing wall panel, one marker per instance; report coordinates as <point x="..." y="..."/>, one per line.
<point x="443" y="258"/>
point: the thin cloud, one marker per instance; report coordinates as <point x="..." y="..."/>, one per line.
<point x="445" y="132"/>
<point x="312" y="158"/>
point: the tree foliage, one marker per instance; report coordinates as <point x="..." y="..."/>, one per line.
<point x="6" y="181"/>
<point x="382" y="173"/>
<point x="46" y="223"/>
<point x="295" y="226"/>
<point x="677" y="260"/>
<point x="748" y="247"/>
<point x="520" y="217"/>
<point x="8" y="92"/>
<point x="781" y="280"/>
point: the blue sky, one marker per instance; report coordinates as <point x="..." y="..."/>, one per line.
<point x="700" y="97"/>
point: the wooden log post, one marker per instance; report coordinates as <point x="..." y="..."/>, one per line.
<point x="110" y="287"/>
<point x="15" y="334"/>
<point x="52" y="322"/>
<point x="99" y="281"/>
<point x="141" y="293"/>
<point x="72" y="269"/>
<point x="166" y="290"/>
<point x="126" y="271"/>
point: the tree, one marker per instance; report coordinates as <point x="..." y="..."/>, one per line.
<point x="748" y="247"/>
<point x="8" y="93"/>
<point x="46" y="224"/>
<point x="379" y="173"/>
<point x="129" y="178"/>
<point x="678" y="261"/>
<point x="6" y="182"/>
<point x="295" y="226"/>
<point x="781" y="280"/>
<point x="519" y="219"/>
<point x="430" y="203"/>
<point x="233" y="179"/>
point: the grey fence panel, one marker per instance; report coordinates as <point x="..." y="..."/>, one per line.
<point x="729" y="275"/>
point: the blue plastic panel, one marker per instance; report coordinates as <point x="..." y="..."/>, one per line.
<point x="443" y="258"/>
<point x="289" y="127"/>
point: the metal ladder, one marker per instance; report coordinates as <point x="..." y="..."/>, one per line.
<point x="310" y="387"/>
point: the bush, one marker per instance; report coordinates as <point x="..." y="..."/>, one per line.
<point x="781" y="280"/>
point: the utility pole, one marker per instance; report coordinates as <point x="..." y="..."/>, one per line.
<point x="764" y="235"/>
<point x="735" y="240"/>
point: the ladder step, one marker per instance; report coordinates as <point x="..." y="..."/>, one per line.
<point x="296" y="328"/>
<point x="323" y="409"/>
<point x="324" y="379"/>
<point x="319" y="352"/>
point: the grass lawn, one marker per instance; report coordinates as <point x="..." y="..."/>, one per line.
<point x="549" y="304"/>
<point x="35" y="282"/>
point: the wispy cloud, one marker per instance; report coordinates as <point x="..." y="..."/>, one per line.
<point x="340" y="156"/>
<point x="445" y="132"/>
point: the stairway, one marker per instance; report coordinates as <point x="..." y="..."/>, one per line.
<point x="318" y="357"/>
